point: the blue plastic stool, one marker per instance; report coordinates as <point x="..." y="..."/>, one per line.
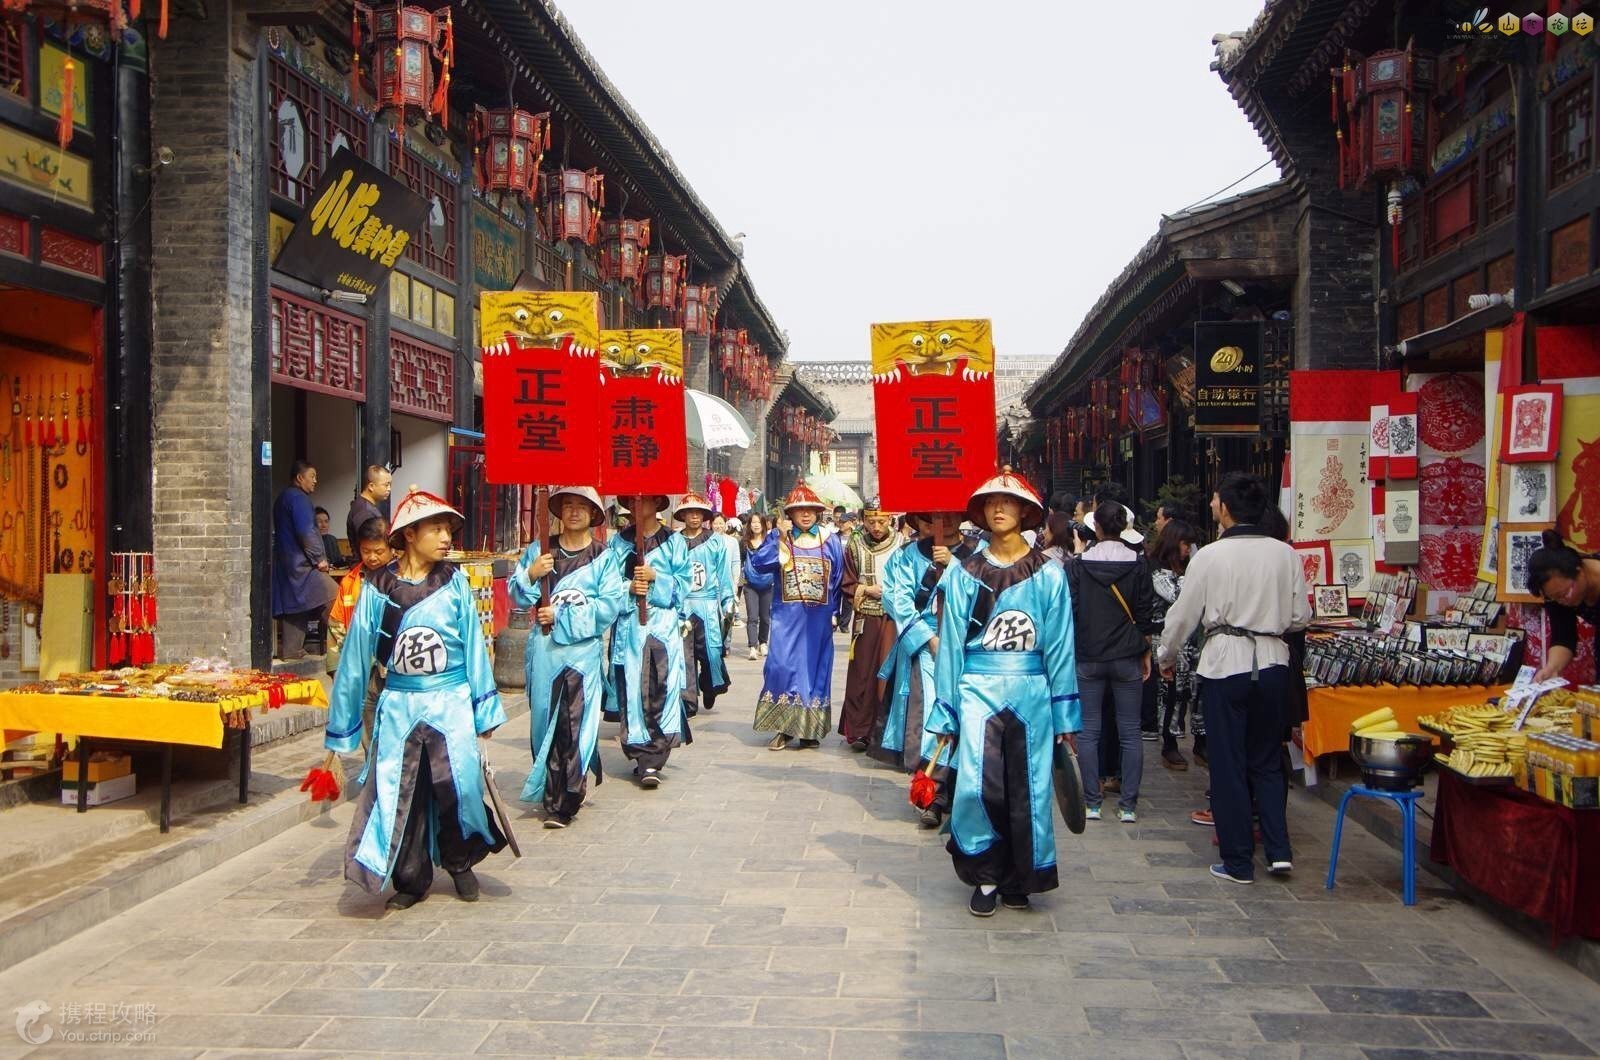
<point x="1407" y="801"/>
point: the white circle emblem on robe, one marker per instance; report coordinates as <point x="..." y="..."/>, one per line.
<point x="1010" y="631"/>
<point x="697" y="575"/>
<point x="569" y="598"/>
<point x="418" y="652"/>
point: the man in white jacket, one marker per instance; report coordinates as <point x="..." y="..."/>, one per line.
<point x="1244" y="591"/>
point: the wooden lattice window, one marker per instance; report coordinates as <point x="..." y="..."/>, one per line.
<point x="421" y="379"/>
<point x="315" y="348"/>
<point x="1500" y="179"/>
<point x="1451" y="211"/>
<point x="436" y="249"/>
<point x="13" y="58"/>
<point x="1408" y="319"/>
<point x="1571" y="133"/>
<point x="1569" y="252"/>
<point x="307" y="125"/>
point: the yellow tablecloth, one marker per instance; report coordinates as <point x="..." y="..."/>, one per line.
<point x="117" y="718"/>
<point x="1333" y="709"/>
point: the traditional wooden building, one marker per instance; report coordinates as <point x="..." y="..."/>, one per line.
<point x="798" y="428"/>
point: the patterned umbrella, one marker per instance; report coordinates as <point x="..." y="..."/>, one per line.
<point x="713" y="423"/>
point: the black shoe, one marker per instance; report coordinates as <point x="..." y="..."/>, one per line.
<point x="807" y="745"/>
<point x="858" y="746"/>
<point x="466" y="885"/>
<point x="1015" y="901"/>
<point x="1173" y="759"/>
<point x="930" y="818"/>
<point x="402" y="900"/>
<point x="982" y="904"/>
<point x="557" y="820"/>
<point x="1149" y="735"/>
<point x="650" y="778"/>
<point x="611" y="715"/>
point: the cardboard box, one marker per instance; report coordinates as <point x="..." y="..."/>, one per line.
<point x="105" y="791"/>
<point x="102" y="766"/>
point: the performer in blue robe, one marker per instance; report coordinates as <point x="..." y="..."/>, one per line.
<point x="567" y="666"/>
<point x="909" y="579"/>
<point x="796" y="700"/>
<point x="647" y="670"/>
<point x="707" y="597"/>
<point x="1006" y="690"/>
<point x="423" y="796"/>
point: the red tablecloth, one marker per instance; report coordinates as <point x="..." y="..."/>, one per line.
<point x="1523" y="851"/>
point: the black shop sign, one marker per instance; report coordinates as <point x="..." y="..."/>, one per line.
<point x="356" y="225"/>
<point x="1227" y="375"/>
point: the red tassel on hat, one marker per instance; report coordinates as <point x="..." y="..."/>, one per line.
<point x="64" y="121"/>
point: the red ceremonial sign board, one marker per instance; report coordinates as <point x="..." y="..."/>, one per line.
<point x="644" y="442"/>
<point x="540" y="417"/>
<point x="933" y="392"/>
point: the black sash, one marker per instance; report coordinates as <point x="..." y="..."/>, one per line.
<point x="992" y="580"/>
<point x="400" y="597"/>
<point x="930" y="577"/>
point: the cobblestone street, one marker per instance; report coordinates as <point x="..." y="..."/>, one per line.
<point x="785" y="905"/>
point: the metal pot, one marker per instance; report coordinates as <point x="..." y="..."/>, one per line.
<point x="1392" y="765"/>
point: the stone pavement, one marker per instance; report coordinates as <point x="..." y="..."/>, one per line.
<point x="785" y="905"/>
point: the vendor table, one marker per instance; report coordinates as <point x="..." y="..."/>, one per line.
<point x="1331" y="710"/>
<point x="145" y="719"/>
<point x="1525" y="852"/>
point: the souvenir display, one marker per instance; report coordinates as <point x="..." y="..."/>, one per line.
<point x="131" y="585"/>
<point x="235" y="692"/>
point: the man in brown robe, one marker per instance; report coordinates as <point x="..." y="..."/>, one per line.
<point x="872" y="632"/>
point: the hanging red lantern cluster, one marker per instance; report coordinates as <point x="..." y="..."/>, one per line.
<point x="663" y="280"/>
<point x="573" y="199"/>
<point x="624" y="248"/>
<point x="412" y="50"/>
<point x="801" y="426"/>
<point x="508" y="144"/>
<point x="699" y="312"/>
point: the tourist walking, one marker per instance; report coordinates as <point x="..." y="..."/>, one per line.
<point x="1006" y="694"/>
<point x="422" y="796"/>
<point x="796" y="700"/>
<point x="757" y="587"/>
<point x="1111" y="600"/>
<point x="1245" y="591"/>
<point x="707" y="597"/>
<point x="647" y="666"/>
<point x="565" y="657"/>
<point x="1176" y="707"/>
<point x="872" y="632"/>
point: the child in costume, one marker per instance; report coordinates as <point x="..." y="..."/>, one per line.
<point x="372" y="545"/>
<point x="647" y="670"/>
<point x="707" y="597"/>
<point x="807" y="566"/>
<point x="423" y="796"/>
<point x="909" y="579"/>
<point x="1006" y="691"/>
<point x="566" y="659"/>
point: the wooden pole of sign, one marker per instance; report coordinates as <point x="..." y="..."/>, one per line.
<point x="541" y="534"/>
<point x="638" y="544"/>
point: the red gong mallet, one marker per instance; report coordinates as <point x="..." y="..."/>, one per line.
<point x="923" y="788"/>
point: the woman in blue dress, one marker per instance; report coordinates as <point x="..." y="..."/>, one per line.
<point x="796" y="699"/>
<point x="1006" y="691"/>
<point x="422" y="800"/>
<point x="566" y="661"/>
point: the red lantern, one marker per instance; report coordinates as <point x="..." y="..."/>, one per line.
<point x="699" y="308"/>
<point x="662" y="278"/>
<point x="1381" y="115"/>
<point x="113" y="14"/>
<point x="573" y="198"/>
<point x="507" y="147"/>
<point x="624" y="246"/>
<point x="413" y="50"/>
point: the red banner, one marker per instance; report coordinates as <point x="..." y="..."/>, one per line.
<point x="540" y="417"/>
<point x="644" y="444"/>
<point x="936" y="438"/>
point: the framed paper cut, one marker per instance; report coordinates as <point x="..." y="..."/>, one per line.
<point x="1527" y="492"/>
<point x="1439" y="637"/>
<point x="1330" y="601"/>
<point x="1316" y="561"/>
<point x="1531" y="429"/>
<point x="1489" y="554"/>
<point x="1352" y="565"/>
<point x="1518" y="543"/>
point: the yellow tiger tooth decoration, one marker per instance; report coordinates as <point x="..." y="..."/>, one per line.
<point x="1368" y="720"/>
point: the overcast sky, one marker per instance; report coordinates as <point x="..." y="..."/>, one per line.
<point x="906" y="159"/>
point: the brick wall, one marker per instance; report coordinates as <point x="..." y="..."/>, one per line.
<point x="204" y="108"/>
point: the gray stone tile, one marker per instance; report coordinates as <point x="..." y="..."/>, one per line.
<point x="528" y="1006"/>
<point x="876" y="1013"/>
<point x="635" y="934"/>
<point x="691" y="958"/>
<point x="458" y="977"/>
<point x="1237" y="1051"/>
<point x="1171" y="1024"/>
<point x="1011" y="943"/>
<point x="1128" y="993"/>
<point x="776" y="935"/>
<point x="1364" y="951"/>
<point x="1151" y="968"/>
<point x="1247" y="929"/>
<point x="948" y="986"/>
<point x="1441" y="977"/>
<point x="757" y="1043"/>
<point x="370" y="951"/>
<point x="727" y="914"/>
<point x="610" y="980"/>
<point x="1198" y="947"/>
<point x="1400" y="1001"/>
<point x="1175" y="907"/>
<point x="238" y="1031"/>
<point x="553" y="954"/>
<point x="1244" y="970"/>
<point x="351" y="1003"/>
<point x="763" y="984"/>
<point x="1240" y="997"/>
<point x="1499" y="1034"/>
<point x="1510" y="1006"/>
<point x="1432" y="1054"/>
<point x="663" y="1011"/>
<point x="569" y="1039"/>
<point x="932" y="1045"/>
<point x="1305" y="1028"/>
<point x="1003" y="1017"/>
<point x="506" y="931"/>
<point x="866" y="962"/>
<point x="1087" y="1047"/>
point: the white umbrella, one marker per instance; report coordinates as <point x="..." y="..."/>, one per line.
<point x="834" y="492"/>
<point x="713" y="423"/>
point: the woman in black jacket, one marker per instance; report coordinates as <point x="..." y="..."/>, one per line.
<point x="1111" y="606"/>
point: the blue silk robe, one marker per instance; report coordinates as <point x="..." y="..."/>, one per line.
<point x="1006" y="684"/>
<point x="438" y="696"/>
<point x="707" y="595"/>
<point x="797" y="689"/>
<point x="567" y="669"/>
<point x="647" y="671"/>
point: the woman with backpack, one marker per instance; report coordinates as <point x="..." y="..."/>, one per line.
<point x="1111" y="608"/>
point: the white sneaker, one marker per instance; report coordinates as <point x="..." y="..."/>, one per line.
<point x="1092" y="813"/>
<point x="754" y="654"/>
<point x="763" y="651"/>
<point x="1127" y="817"/>
<point x="1281" y="868"/>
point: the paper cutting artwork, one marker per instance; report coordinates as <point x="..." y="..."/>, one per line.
<point x="1530" y="426"/>
<point x="1579" y="521"/>
<point x="1331" y="494"/>
<point x="1450" y="412"/>
<point x="1334" y="499"/>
